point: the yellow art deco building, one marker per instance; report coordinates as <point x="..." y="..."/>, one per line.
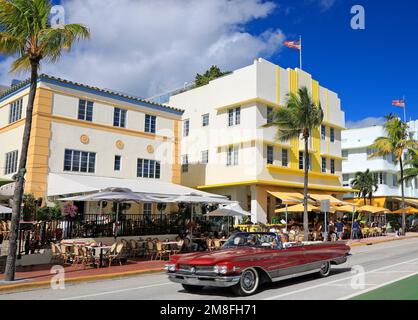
<point x="85" y="139"/>
<point x="226" y="150"/>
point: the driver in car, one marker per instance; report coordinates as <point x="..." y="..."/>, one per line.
<point x="252" y="240"/>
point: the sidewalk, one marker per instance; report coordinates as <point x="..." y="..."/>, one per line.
<point x="40" y="276"/>
<point x="375" y="240"/>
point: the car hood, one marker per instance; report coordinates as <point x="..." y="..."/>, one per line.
<point x="214" y="257"/>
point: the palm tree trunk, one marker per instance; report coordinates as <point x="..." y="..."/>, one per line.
<point x="305" y="190"/>
<point x="403" y="198"/>
<point x="20" y="180"/>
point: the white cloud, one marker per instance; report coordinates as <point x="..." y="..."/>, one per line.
<point x="367" y="122"/>
<point x="147" y="47"/>
<point x="326" y="4"/>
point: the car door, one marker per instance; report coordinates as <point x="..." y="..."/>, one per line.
<point x="289" y="261"/>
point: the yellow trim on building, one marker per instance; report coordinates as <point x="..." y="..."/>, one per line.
<point x="82" y="95"/>
<point x="103" y="127"/>
<point x="294" y="142"/>
<point x="176" y="167"/>
<point x="297" y="172"/>
<point x="316" y="134"/>
<point x="248" y="101"/>
<point x="38" y="152"/>
<point x="13" y="125"/>
<point x="340" y="190"/>
<point x="333" y="157"/>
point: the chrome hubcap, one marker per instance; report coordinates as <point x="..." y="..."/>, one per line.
<point x="325" y="268"/>
<point x="248" y="280"/>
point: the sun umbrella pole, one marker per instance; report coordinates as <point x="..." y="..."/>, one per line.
<point x="117" y="220"/>
<point x="286" y="216"/>
<point x="352" y="222"/>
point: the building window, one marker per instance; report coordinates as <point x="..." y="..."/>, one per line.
<point x="147" y="209"/>
<point x="395" y="180"/>
<point x="332" y="134"/>
<point x="79" y="161"/>
<point x="205" y="156"/>
<point x="119" y="118"/>
<point x="117" y="163"/>
<point x="150" y="123"/>
<point x="186" y="128"/>
<point x="205" y="120"/>
<point x="332" y="166"/>
<point x="323" y="164"/>
<point x="285" y="158"/>
<point x="270" y="154"/>
<point x="323" y="132"/>
<point x="232" y="156"/>
<point x="85" y="110"/>
<point x="146" y="168"/>
<point x="301" y="161"/>
<point x="345" y="153"/>
<point x="15" y="113"/>
<point x="269" y="114"/>
<point x="11" y="162"/>
<point x="234" y="116"/>
<point x="185" y="163"/>
<point x="380" y="177"/>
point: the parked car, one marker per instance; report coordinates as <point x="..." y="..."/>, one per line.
<point x="249" y="259"/>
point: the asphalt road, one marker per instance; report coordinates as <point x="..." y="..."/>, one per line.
<point x="382" y="264"/>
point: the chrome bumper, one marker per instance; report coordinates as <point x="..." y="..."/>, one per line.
<point x="199" y="280"/>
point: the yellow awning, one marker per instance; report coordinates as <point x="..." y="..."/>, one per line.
<point x="408" y="210"/>
<point x="372" y="209"/>
<point x="346" y="209"/>
<point x="332" y="200"/>
<point x="298" y="208"/>
<point x="414" y="202"/>
<point x="288" y="197"/>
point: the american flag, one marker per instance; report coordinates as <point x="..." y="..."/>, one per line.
<point x="293" y="44"/>
<point x="398" y="103"/>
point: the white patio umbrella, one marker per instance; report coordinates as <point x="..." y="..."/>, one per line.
<point x="5" y="209"/>
<point x="229" y="210"/>
<point x="195" y="198"/>
<point x="117" y="195"/>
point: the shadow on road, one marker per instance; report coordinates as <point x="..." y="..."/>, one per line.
<point x="227" y="292"/>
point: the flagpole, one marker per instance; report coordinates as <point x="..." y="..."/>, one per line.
<point x="404" y="109"/>
<point x="300" y="52"/>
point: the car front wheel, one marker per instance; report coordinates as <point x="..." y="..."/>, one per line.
<point x="325" y="269"/>
<point x="191" y="288"/>
<point x="248" y="283"/>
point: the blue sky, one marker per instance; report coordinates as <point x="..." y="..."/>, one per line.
<point x="148" y="47"/>
<point x="368" y="68"/>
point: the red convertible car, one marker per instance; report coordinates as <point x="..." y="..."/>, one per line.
<point x="249" y="259"/>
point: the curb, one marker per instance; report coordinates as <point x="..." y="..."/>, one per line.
<point x="359" y="244"/>
<point x="47" y="283"/>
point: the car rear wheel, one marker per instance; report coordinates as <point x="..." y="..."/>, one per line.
<point x="325" y="269"/>
<point x="191" y="288"/>
<point x="248" y="283"/>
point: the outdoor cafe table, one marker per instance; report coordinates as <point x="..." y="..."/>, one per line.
<point x="101" y="248"/>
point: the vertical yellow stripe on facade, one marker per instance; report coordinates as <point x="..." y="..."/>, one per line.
<point x="176" y="168"/>
<point x="327" y="117"/>
<point x="294" y="143"/>
<point x="38" y="152"/>
<point x="316" y="136"/>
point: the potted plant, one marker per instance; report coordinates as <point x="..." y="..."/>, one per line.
<point x="69" y="211"/>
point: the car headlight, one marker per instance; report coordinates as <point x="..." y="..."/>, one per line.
<point x="220" y="269"/>
<point x="170" y="267"/>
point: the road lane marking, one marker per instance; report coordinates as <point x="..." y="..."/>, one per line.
<point x="117" y="291"/>
<point x="337" y="280"/>
<point x="377" y="287"/>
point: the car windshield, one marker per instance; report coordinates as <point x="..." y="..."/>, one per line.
<point x="249" y="239"/>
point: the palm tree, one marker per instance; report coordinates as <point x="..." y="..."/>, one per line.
<point x="411" y="171"/>
<point x="366" y="183"/>
<point x="298" y="118"/>
<point x="395" y="143"/>
<point x="25" y="32"/>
